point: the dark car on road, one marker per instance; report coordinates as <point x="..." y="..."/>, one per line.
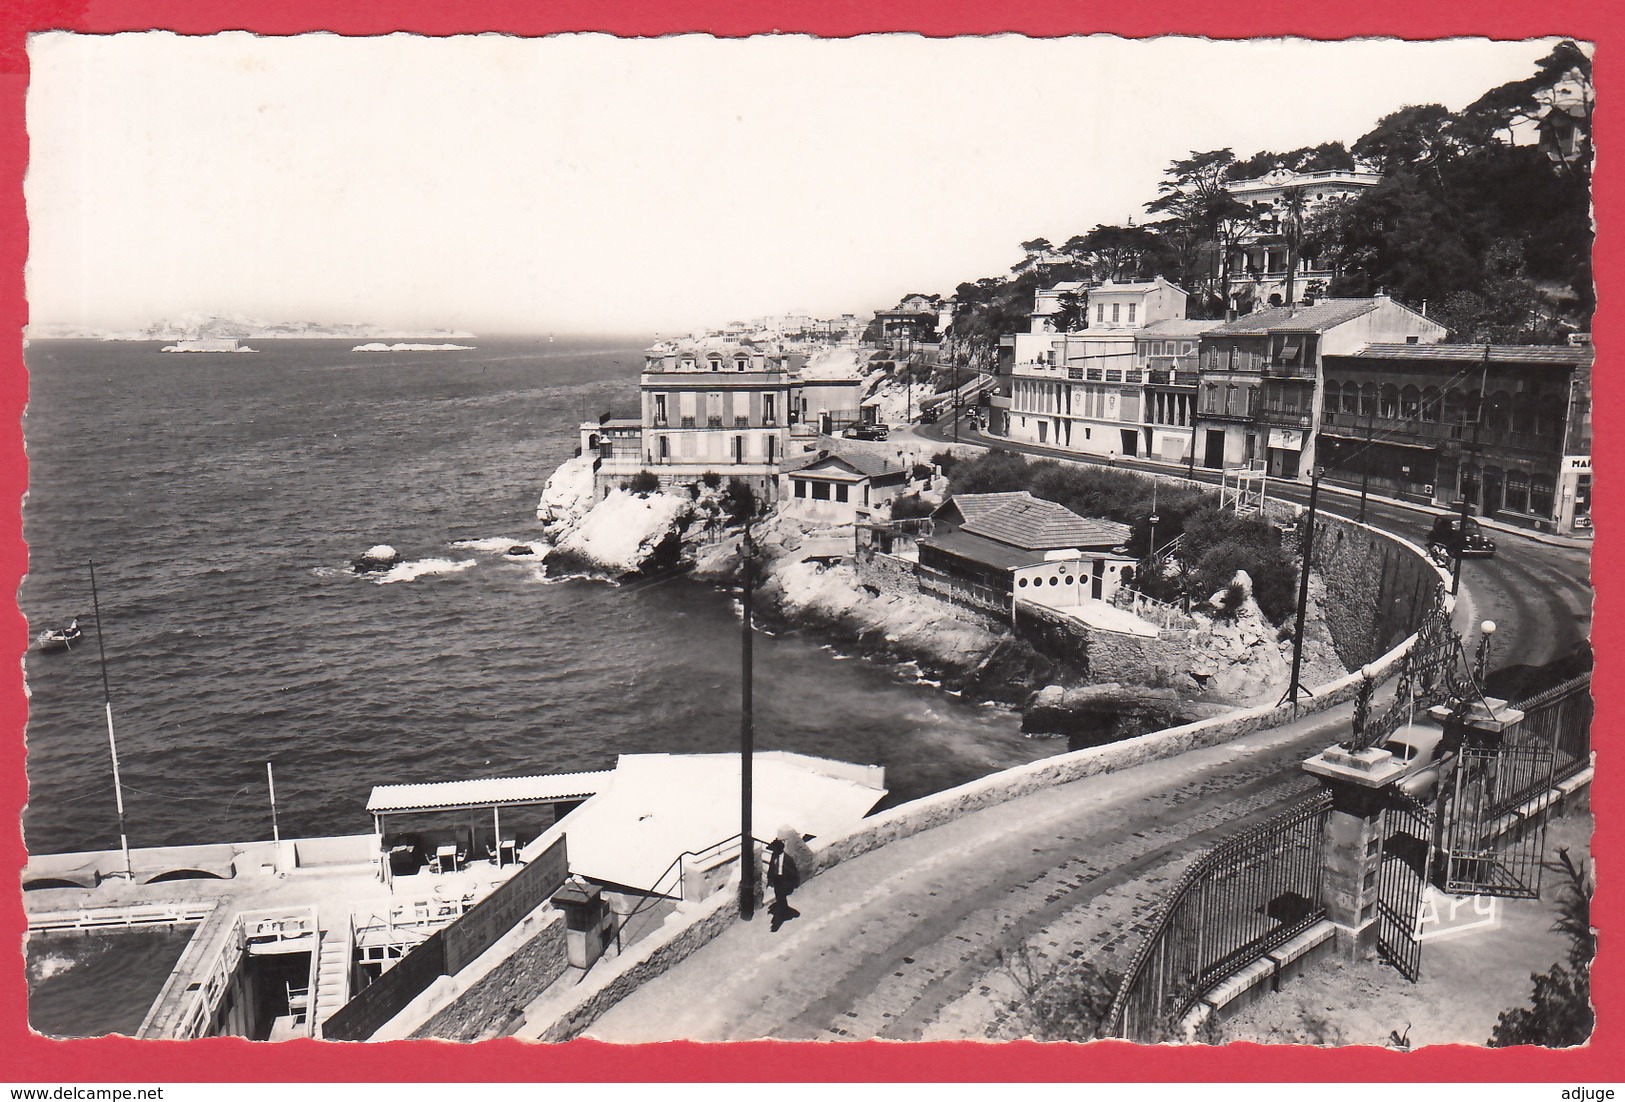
<point x="868" y="432"/>
<point x="929" y="416"/>
<point x="1449" y="540"/>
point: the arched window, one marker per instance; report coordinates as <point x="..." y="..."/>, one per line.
<point x="1524" y="415"/>
<point x="1334" y="396"/>
<point x="1540" y="495"/>
<point x="1455" y="407"/>
<point x="1351" y="397"/>
<point x="1368" y="399"/>
<point x="1431" y="405"/>
<point x="1410" y="403"/>
<point x="1498" y="417"/>
<point x="1388" y="404"/>
<point x="1517" y="491"/>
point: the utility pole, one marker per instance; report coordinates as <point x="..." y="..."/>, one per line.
<point x="1306" y="546"/>
<point x="112" y="745"/>
<point x="1478" y="423"/>
<point x="956" y="404"/>
<point x="747" y="747"/>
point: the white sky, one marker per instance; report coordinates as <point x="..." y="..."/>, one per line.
<point x="584" y="183"/>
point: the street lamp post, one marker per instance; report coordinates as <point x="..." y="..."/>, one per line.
<point x="1486" y="634"/>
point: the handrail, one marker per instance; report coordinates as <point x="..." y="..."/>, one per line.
<point x="654" y="895"/>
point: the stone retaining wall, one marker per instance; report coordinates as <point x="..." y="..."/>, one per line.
<point x="1106" y="655"/>
<point x="1376" y="592"/>
<point x="496" y="997"/>
<point x="886" y="573"/>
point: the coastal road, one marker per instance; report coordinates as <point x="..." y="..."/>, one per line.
<point x="1537" y="592"/>
<point x="913" y="941"/>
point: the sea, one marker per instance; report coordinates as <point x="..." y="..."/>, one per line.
<point x="222" y="498"/>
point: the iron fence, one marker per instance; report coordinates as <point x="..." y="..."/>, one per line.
<point x="1560" y="718"/>
<point x="1249" y="895"/>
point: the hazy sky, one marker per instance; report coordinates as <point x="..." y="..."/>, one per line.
<point x="587" y="183"/>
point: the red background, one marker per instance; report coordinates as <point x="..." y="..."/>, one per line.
<point x="27" y="1058"/>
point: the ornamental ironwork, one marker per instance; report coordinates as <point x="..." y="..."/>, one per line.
<point x="1436" y="670"/>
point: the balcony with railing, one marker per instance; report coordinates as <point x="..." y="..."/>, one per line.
<point x="1398" y="426"/>
<point x="1163" y="377"/>
<point x="1295" y="371"/>
<point x="1275" y="413"/>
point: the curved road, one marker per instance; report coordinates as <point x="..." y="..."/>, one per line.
<point x="936" y="936"/>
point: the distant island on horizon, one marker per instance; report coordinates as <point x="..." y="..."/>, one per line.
<point x="196" y="327"/>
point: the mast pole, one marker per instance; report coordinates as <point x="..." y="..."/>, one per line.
<point x="270" y="783"/>
<point x="107" y="707"/>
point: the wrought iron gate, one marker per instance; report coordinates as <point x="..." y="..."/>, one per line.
<point x="1495" y="837"/>
<point x="1402" y="876"/>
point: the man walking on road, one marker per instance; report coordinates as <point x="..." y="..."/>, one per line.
<point x="783" y="877"/>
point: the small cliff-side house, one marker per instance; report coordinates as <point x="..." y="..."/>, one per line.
<point x="838" y="486"/>
<point x="993" y="549"/>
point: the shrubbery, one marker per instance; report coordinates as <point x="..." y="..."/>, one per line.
<point x="644" y="483"/>
<point x="909" y="506"/>
<point x="1217" y="542"/>
<point x="1560" y="1014"/>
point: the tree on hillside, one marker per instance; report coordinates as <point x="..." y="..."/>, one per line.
<point x="1195" y="197"/>
<point x="1294" y="201"/>
<point x="1072" y="313"/>
<point x="1119" y="253"/>
<point x="1325" y="157"/>
<point x="1416" y="141"/>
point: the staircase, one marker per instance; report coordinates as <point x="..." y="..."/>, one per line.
<point x="332" y="975"/>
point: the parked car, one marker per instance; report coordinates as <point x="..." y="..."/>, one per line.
<point x="868" y="432"/>
<point x="1417" y="747"/>
<point x="1446" y="541"/>
<point x="928" y="416"/>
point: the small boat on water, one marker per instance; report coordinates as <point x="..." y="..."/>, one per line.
<point x="55" y="640"/>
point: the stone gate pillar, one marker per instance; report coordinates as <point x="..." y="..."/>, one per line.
<point x="1351" y="852"/>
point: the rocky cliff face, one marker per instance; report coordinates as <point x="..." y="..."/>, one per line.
<point x="1233" y="657"/>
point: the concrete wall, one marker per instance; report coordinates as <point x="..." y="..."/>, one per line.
<point x="498" y="996"/>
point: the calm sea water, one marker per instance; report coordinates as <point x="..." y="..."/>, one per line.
<point x="222" y="497"/>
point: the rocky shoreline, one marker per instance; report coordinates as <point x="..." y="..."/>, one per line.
<point x="1235" y="660"/>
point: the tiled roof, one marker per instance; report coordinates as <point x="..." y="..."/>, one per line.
<point x="1322" y="315"/>
<point x="486" y="792"/>
<point x="1034" y="524"/>
<point x="1178" y="327"/>
<point x="870" y="466"/>
<point x="1474" y="353"/>
<point x="971" y="506"/>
